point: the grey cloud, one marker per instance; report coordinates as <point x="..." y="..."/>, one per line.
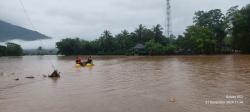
<point x="88" y="18"/>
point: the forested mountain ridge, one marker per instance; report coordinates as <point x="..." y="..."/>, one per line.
<point x="9" y="32"/>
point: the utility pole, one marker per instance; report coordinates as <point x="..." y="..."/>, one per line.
<point x="168" y="19"/>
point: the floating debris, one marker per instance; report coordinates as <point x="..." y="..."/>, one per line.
<point x="1" y="73"/>
<point x="30" y="77"/>
<point x="55" y="74"/>
<point x="172" y="100"/>
<point x="44" y="76"/>
<point x="17" y="79"/>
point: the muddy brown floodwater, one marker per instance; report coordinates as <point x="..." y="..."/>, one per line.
<point x="126" y="84"/>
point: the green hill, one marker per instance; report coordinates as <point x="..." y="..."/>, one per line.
<point x="10" y="32"/>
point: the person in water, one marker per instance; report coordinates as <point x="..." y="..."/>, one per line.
<point x="79" y="61"/>
<point x="89" y="60"/>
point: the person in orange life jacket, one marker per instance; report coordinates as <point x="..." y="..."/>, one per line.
<point x="79" y="61"/>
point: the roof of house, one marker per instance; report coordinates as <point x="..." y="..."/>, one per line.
<point x="139" y="46"/>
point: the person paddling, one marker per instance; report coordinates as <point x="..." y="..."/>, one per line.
<point x="79" y="61"/>
<point x="89" y="60"/>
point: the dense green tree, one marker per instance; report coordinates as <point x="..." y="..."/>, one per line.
<point x="241" y="29"/>
<point x="212" y="32"/>
<point x="87" y="47"/>
<point x="200" y="40"/>
<point x="40" y="49"/>
<point x="69" y="46"/>
<point x="182" y="43"/>
<point x="169" y="49"/>
<point x="230" y="17"/>
<point x="142" y="34"/>
<point x="3" y="50"/>
<point x="107" y="42"/>
<point x="154" y="48"/>
<point x="215" y="21"/>
<point x="158" y="34"/>
<point x="14" y="49"/>
<point x="139" y="33"/>
<point x="124" y="41"/>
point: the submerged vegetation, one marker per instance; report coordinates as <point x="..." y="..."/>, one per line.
<point x="11" y="49"/>
<point x="212" y="32"/>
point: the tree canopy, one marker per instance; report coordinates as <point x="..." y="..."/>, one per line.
<point x="11" y="49"/>
<point x="212" y="32"/>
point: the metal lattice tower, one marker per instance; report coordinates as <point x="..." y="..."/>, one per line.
<point x="168" y="19"/>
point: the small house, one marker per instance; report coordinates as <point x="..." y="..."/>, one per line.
<point x="139" y="49"/>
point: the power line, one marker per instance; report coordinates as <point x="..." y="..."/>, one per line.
<point x="32" y="25"/>
<point x="29" y="19"/>
<point x="27" y="16"/>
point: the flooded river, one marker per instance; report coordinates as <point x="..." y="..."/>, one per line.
<point x="126" y="84"/>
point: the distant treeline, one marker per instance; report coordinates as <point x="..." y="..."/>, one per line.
<point x="212" y="32"/>
<point x="40" y="51"/>
<point x="121" y="44"/>
<point x="11" y="49"/>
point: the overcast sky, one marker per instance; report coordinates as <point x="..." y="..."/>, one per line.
<point x="87" y="19"/>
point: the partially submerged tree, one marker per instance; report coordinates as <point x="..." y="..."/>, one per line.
<point x="14" y="49"/>
<point x="241" y="29"/>
<point x="215" y="21"/>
